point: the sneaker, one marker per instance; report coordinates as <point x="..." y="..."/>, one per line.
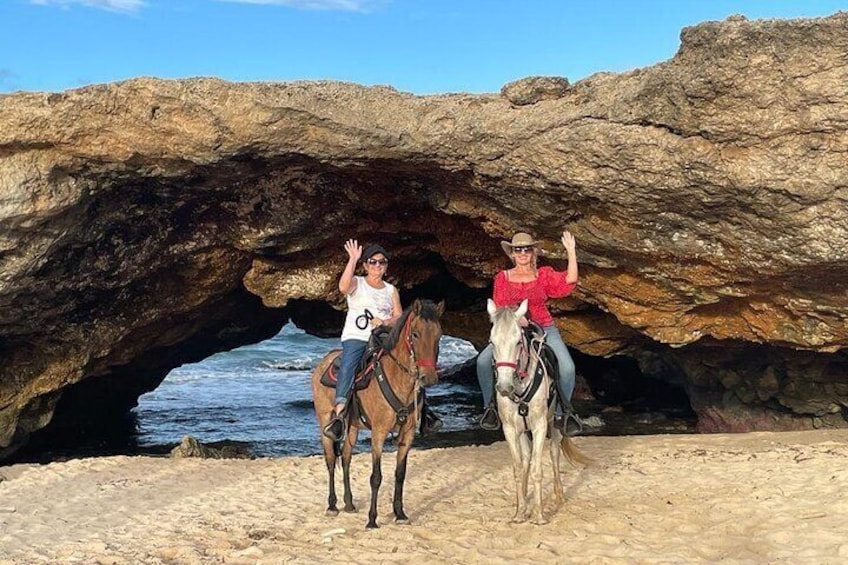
<point x="335" y="429"/>
<point x="430" y="422"/>
<point x="490" y="420"/>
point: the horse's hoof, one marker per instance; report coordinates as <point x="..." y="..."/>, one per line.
<point x="539" y="521"/>
<point x="519" y="519"/>
<point x="402" y="521"/>
<point x="332" y="512"/>
<point x="349" y="509"/>
<point x="372" y="525"/>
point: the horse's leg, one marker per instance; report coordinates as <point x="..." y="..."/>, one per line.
<point x="513" y="441"/>
<point x="330" y="460"/>
<point x="526" y="454"/>
<point x="347" y="451"/>
<point x="378" y="437"/>
<point x="556" y="450"/>
<point x="322" y="399"/>
<point x="404" y="446"/>
<point x="539" y="428"/>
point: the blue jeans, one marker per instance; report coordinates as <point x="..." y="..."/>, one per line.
<point x="352" y="351"/>
<point x="485" y="375"/>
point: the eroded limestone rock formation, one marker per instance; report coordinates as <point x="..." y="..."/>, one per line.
<point x="148" y="223"/>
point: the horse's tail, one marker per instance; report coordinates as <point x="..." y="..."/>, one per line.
<point x="572" y="453"/>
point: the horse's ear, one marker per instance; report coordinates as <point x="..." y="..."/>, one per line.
<point x="522" y="309"/>
<point x="440" y="308"/>
<point x="416" y="307"/>
<point x="491" y="308"/>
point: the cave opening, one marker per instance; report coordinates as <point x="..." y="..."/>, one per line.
<point x="109" y="414"/>
<point x="258" y="396"/>
<point x="627" y="401"/>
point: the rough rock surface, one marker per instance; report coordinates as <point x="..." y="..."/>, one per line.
<point x="535" y="89"/>
<point x="190" y="447"/>
<point x="148" y="223"/>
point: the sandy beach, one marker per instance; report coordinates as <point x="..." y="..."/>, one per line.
<point x="743" y="498"/>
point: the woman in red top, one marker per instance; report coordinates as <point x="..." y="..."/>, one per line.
<point x="536" y="284"/>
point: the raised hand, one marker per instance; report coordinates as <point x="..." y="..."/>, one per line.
<point x="354" y="250"/>
<point x="568" y="241"/>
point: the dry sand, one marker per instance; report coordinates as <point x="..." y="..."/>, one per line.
<point x="743" y="498"/>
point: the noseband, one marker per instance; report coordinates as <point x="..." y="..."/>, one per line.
<point x="522" y="349"/>
<point x="418" y="363"/>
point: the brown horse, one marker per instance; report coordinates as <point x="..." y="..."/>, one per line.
<point x="390" y="401"/>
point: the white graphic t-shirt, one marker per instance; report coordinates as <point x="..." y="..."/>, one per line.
<point x="377" y="302"/>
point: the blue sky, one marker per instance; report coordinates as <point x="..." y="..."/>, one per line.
<point x="420" y="46"/>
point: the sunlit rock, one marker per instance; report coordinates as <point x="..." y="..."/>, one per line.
<point x="150" y="223"/>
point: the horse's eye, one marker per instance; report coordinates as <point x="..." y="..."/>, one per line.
<point x="415" y="335"/>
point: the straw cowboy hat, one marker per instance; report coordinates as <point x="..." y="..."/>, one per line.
<point x="520" y="239"/>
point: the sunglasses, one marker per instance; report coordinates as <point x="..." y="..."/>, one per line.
<point x="377" y="261"/>
<point x="523" y="249"/>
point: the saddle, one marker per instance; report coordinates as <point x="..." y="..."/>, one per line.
<point x="364" y="373"/>
<point x="364" y="370"/>
<point x="548" y="358"/>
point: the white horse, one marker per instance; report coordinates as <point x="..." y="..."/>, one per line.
<point x="523" y="387"/>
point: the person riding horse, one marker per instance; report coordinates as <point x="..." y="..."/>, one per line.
<point x="371" y="303"/>
<point x="535" y="284"/>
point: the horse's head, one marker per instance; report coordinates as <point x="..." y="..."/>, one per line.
<point x="421" y="332"/>
<point x="506" y="342"/>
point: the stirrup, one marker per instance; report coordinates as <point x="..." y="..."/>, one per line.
<point x="490" y="420"/>
<point x="430" y="422"/>
<point x="332" y="431"/>
<point x="572" y="425"/>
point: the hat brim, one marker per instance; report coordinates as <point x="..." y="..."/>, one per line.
<point x="507" y="246"/>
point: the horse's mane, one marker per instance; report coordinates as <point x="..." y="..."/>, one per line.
<point x="428" y="312"/>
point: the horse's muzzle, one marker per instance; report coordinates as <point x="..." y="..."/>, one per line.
<point x="505" y="388"/>
<point x="429" y="375"/>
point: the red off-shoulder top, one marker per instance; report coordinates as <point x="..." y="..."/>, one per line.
<point x="548" y="284"/>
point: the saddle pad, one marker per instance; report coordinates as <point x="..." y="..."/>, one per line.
<point x="329" y="377"/>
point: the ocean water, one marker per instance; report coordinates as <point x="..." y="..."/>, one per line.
<point x="261" y="395"/>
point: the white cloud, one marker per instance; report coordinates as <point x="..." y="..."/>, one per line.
<point x="345" y="5"/>
<point x="111" y="5"/>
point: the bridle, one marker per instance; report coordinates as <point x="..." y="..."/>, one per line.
<point x="529" y="386"/>
<point x="418" y="363"/>
<point x="414" y="370"/>
<point x="523" y="352"/>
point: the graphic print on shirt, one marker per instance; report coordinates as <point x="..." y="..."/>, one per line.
<point x="377" y="301"/>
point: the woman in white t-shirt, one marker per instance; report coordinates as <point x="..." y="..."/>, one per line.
<point x="371" y="302"/>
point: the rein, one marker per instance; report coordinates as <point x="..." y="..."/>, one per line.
<point x="425" y="363"/>
<point x="530" y="352"/>
<point x="386" y="388"/>
<point x="523" y="350"/>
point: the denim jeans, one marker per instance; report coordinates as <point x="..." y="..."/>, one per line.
<point x="485" y="374"/>
<point x="352" y="351"/>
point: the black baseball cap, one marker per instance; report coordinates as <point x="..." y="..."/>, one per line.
<point x="372" y="250"/>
